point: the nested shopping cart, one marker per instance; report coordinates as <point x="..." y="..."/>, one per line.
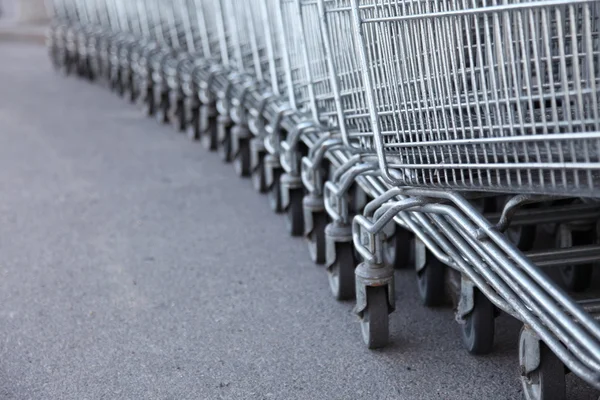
<point x="460" y="132"/>
<point x="464" y="102"/>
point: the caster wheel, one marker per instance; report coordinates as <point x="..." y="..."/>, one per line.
<point x="431" y="282"/>
<point x="150" y="104"/>
<point x="258" y="178"/>
<point x="521" y="236"/>
<point x="375" y="319"/>
<point x="133" y="95"/>
<point x="341" y="273"/>
<point x="112" y="85"/>
<point x="224" y="148"/>
<point x="397" y="249"/>
<point x="479" y="326"/>
<point x="181" y="121"/>
<point x="316" y="239"/>
<point x="209" y="137"/>
<point x="576" y="278"/>
<point x="295" y="213"/>
<point x="275" y="192"/>
<point x="162" y="116"/>
<point x="193" y="127"/>
<point x="547" y="381"/>
<point x="81" y="71"/>
<point x="241" y="163"/>
<point x="120" y="87"/>
<point x="357" y="199"/>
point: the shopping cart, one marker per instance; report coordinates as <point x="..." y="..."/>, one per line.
<point x="444" y="135"/>
<point x="466" y="101"/>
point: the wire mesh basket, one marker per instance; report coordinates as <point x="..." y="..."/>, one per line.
<point x="498" y="96"/>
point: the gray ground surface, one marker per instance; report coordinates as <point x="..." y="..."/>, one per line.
<point x="135" y="265"/>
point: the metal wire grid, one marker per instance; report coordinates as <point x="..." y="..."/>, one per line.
<point x="274" y="50"/>
<point x="259" y="66"/>
<point x="290" y="30"/>
<point x="181" y="12"/>
<point x="174" y="29"/>
<point x="515" y="108"/>
<point x="345" y="74"/>
<point x="322" y="101"/>
<point x="256" y="46"/>
<point x="204" y="12"/>
<point x="236" y="51"/>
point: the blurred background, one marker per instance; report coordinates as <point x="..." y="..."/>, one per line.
<point x="24" y="20"/>
<point x="23" y="11"/>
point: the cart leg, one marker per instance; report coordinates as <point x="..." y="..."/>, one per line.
<point x="315" y="222"/>
<point x="576" y="278"/>
<point x="542" y="373"/>
<point x="149" y="102"/>
<point x="120" y="84"/>
<point x="273" y="172"/>
<point x="274" y="193"/>
<point x="374" y="302"/>
<point x="177" y="111"/>
<point x="340" y="260"/>
<point x="257" y="165"/>
<point x="241" y="163"/>
<point x="193" y="114"/>
<point x="240" y="149"/>
<point x="478" y="327"/>
<point x="224" y="124"/>
<point x="133" y="90"/>
<point x="398" y="249"/>
<point x="162" y="115"/>
<point x="431" y="274"/>
<point x="208" y="126"/>
<point x="292" y="195"/>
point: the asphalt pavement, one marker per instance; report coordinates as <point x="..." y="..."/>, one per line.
<point x="136" y="265"/>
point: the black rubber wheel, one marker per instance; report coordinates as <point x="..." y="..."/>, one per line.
<point x="258" y="177"/>
<point x="224" y="148"/>
<point x="241" y="162"/>
<point x="119" y="85"/>
<point x="398" y="249"/>
<point x="181" y="117"/>
<point x="162" y="115"/>
<point x="209" y="137"/>
<point x="375" y="324"/>
<point x="91" y="73"/>
<point x="112" y="84"/>
<point x="295" y="213"/>
<point x="193" y="126"/>
<point x="341" y="276"/>
<point x="523" y="237"/>
<point x="274" y="193"/>
<point x="578" y="278"/>
<point x="133" y="93"/>
<point x="54" y="58"/>
<point x="479" y="327"/>
<point x="150" y="103"/>
<point x="316" y="238"/>
<point x="357" y="199"/>
<point x="80" y="69"/>
<point x="548" y="380"/>
<point x="68" y="67"/>
<point x="431" y="282"/>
